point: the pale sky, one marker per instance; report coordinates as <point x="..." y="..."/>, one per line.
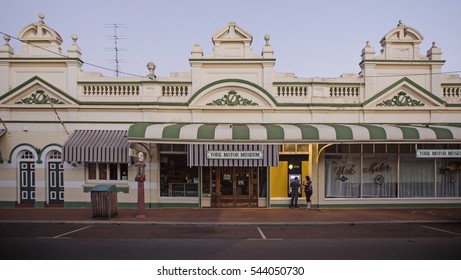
<point x="311" y="38"/>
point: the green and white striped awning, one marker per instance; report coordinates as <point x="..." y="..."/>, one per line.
<point x="291" y="133"/>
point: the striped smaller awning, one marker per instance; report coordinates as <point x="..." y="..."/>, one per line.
<point x="109" y="146"/>
<point x="292" y="133"/>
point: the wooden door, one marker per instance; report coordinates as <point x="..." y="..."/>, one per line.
<point x="26" y="182"/>
<point x="55" y="183"/>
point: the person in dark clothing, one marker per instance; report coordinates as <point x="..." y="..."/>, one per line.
<point x="295" y="188"/>
<point x="308" y="191"/>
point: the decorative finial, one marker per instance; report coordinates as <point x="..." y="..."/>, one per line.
<point x="231" y="31"/>
<point x="151" y="68"/>
<point x="41" y="16"/>
<point x="434" y="45"/>
<point x="197" y="48"/>
<point x="267" y="37"/>
<point x="74" y="38"/>
<point x="7" y="39"/>
<point x="368" y="43"/>
<point x="74" y="50"/>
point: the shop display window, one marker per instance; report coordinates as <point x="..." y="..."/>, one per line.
<point x="390" y="171"/>
<point x="97" y="171"/>
<point x="176" y="178"/>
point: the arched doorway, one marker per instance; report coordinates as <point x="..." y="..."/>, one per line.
<point x="55" y="179"/>
<point x="26" y="179"/>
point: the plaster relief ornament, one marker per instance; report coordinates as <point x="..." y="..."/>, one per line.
<point x="401" y="99"/>
<point x="232" y="98"/>
<point x="39" y="97"/>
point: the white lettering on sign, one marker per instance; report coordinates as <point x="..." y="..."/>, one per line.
<point x="235" y="155"/>
<point x="438" y="153"/>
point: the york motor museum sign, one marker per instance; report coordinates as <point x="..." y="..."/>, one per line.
<point x="234" y="155"/>
<point x="438" y="153"/>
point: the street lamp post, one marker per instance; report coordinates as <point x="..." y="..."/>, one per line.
<point x="140" y="178"/>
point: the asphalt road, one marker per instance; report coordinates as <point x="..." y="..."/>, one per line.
<point x="112" y="241"/>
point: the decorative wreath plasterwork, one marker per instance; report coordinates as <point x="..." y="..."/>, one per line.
<point x="39" y="97"/>
<point x="401" y="99"/>
<point x="232" y="98"/>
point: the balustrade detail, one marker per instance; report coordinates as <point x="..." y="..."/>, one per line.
<point x="292" y="90"/>
<point x="451" y="91"/>
<point x="344" y="91"/>
<point x="175" y="90"/>
<point x="111" y="90"/>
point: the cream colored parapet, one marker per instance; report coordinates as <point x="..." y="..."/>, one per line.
<point x="324" y="94"/>
<point x="283" y="92"/>
<point x="134" y="92"/>
<point x="346" y="89"/>
<point x="451" y="88"/>
<point x="402" y="43"/>
<point x="40" y="40"/>
<point x="182" y="92"/>
<point x="232" y="41"/>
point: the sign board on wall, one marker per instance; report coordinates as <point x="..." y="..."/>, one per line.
<point x="438" y="153"/>
<point x="234" y="155"/>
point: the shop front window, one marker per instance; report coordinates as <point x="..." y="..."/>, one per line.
<point x="416" y="177"/>
<point x="449" y="178"/>
<point x="342" y="176"/>
<point x="379" y="174"/>
<point x="389" y="171"/>
<point x="102" y="171"/>
<point x="176" y="178"/>
<point x="97" y="171"/>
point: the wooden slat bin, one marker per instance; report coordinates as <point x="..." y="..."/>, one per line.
<point x="104" y="201"/>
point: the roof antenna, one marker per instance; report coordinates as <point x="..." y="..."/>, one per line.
<point x="116" y="49"/>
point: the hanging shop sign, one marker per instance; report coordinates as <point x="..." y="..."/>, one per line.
<point x="235" y="154"/>
<point x="438" y="153"/>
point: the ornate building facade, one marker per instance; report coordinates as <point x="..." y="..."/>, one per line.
<point x="231" y="132"/>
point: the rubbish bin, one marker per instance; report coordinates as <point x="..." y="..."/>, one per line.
<point x="104" y="201"/>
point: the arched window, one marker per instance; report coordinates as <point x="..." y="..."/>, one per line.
<point x="27" y="155"/>
<point x="54" y="155"/>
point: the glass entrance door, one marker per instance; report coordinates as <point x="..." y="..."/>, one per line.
<point x="235" y="187"/>
<point x="226" y="187"/>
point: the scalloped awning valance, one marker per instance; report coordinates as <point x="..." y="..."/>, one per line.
<point x="188" y="133"/>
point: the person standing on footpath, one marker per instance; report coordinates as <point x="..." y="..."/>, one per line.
<point x="308" y="191"/>
<point x="295" y="188"/>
